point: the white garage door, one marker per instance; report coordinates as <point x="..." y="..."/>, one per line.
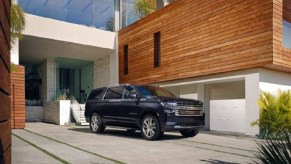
<point x="227" y="115"/>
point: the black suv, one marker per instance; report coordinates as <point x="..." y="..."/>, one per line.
<point x="150" y="109"/>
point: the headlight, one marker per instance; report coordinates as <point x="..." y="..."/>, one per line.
<point x="169" y="107"/>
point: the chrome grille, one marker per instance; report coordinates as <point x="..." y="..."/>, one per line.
<point x="184" y="109"/>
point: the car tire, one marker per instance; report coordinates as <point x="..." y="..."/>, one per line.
<point x="189" y="133"/>
<point x="96" y="124"/>
<point x="150" y="128"/>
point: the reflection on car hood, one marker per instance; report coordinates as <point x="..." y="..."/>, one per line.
<point x="181" y="101"/>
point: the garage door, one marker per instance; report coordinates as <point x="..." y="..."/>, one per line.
<point x="227" y="115"/>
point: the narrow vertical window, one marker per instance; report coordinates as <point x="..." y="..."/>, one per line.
<point x="125" y="59"/>
<point x="157" y="49"/>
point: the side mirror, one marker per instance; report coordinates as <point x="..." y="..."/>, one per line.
<point x="133" y="96"/>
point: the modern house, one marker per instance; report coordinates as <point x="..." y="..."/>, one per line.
<point x="222" y="53"/>
<point x="70" y="46"/>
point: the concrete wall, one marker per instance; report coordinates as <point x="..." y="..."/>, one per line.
<point x="286" y="34"/>
<point x="48" y="86"/>
<point x="105" y="71"/>
<point x="57" y="112"/>
<point x="34" y="114"/>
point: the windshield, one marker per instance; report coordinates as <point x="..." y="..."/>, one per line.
<point x="154" y="91"/>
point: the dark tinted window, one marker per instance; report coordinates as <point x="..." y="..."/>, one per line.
<point x="127" y="91"/>
<point x="96" y="94"/>
<point x="114" y="93"/>
<point x="125" y="59"/>
<point x="154" y="91"/>
<point x="157" y="49"/>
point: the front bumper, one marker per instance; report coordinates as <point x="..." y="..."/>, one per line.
<point x="176" y="123"/>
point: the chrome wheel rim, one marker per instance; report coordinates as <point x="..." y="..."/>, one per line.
<point x="149" y="127"/>
<point x="94" y="122"/>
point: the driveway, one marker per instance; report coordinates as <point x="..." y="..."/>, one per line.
<point x="46" y="143"/>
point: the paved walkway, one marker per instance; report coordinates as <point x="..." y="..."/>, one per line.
<point x="46" y="143"/>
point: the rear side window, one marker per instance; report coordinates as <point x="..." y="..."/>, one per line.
<point x="114" y="93"/>
<point x="96" y="94"/>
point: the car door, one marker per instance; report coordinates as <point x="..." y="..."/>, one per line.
<point x="130" y="106"/>
<point x="112" y="110"/>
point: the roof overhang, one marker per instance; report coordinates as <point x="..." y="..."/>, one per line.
<point x="48" y="38"/>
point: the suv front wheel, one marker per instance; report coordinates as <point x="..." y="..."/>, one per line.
<point x="150" y="128"/>
<point x="96" y="124"/>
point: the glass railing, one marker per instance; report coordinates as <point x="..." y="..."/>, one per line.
<point x="93" y="13"/>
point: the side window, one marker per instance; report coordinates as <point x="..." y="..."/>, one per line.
<point x="114" y="93"/>
<point x="127" y="91"/>
<point x="96" y="94"/>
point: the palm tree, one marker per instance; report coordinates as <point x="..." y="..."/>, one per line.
<point x="143" y="8"/>
<point x="17" y="22"/>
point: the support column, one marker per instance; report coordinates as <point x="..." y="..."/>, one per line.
<point x="252" y="91"/>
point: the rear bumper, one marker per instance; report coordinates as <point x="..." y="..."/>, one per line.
<point x="175" y="123"/>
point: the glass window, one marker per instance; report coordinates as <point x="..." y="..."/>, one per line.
<point x="125" y="59"/>
<point x="95" y="94"/>
<point x="127" y="91"/>
<point x="114" y="93"/>
<point x="128" y="13"/>
<point x="157" y="49"/>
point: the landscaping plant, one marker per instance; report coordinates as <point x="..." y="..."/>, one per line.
<point x="275" y="114"/>
<point x="143" y="8"/>
<point x="17" y="22"/>
<point x="275" y="151"/>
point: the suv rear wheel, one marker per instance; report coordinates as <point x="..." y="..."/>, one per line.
<point x="150" y="128"/>
<point x="189" y="133"/>
<point x="96" y="124"/>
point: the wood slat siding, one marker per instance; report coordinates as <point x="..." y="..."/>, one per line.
<point x="199" y="38"/>
<point x="5" y="129"/>
<point x="281" y="55"/>
<point x="18" y="98"/>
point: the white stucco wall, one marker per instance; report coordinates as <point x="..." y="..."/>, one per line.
<point x="14" y="52"/>
<point x="68" y="32"/>
<point x="272" y="81"/>
<point x="286" y="34"/>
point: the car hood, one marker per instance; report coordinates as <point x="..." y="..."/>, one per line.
<point x="181" y="101"/>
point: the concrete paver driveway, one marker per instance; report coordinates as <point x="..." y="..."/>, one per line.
<point x="58" y="144"/>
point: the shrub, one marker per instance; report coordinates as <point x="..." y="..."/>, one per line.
<point x="275" y="114"/>
<point x="273" y="151"/>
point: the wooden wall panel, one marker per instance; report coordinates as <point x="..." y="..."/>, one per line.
<point x="5" y="129"/>
<point x="199" y="38"/>
<point x="281" y="55"/>
<point x="18" y="98"/>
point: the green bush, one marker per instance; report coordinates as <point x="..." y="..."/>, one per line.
<point x="275" y="151"/>
<point x="275" y="114"/>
